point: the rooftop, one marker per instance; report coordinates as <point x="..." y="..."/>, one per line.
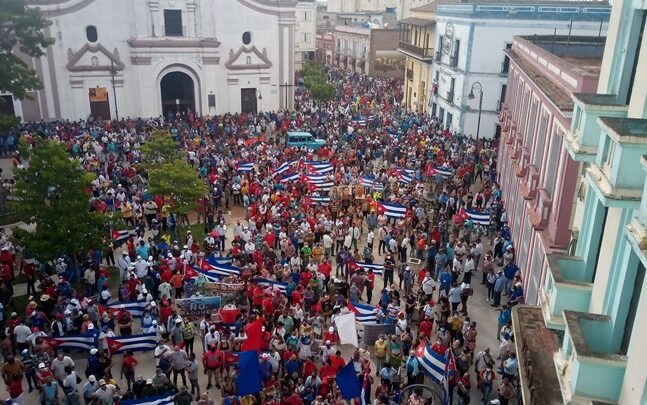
<point x="421" y="22"/>
<point x="625" y="130"/>
<point x="583" y="53"/>
<point x="535" y="345"/>
<point x="556" y="94"/>
<point x="594" y="99"/>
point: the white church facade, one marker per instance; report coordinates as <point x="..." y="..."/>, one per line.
<point x="120" y="58"/>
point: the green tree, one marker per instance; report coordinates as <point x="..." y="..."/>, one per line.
<point x="159" y="149"/>
<point x="179" y="182"/>
<point x="22" y="33"/>
<point x="53" y="192"/>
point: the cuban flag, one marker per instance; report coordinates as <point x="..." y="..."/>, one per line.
<point x="324" y="201"/>
<point x="359" y="121"/>
<point x="404" y="177"/>
<point x="315" y="178"/>
<point x="325" y="187"/>
<point x="162" y="399"/>
<point x="284" y="167"/>
<point x="263" y="282"/>
<point x="136" y="309"/>
<point x="289" y="177"/>
<point x="221" y="259"/>
<point x="134" y="343"/>
<point x="123" y="235"/>
<point x="443" y="171"/>
<point x="84" y="342"/>
<point x="377" y="268"/>
<point x="316" y="167"/>
<point x="364" y="313"/>
<point x="432" y="363"/>
<point x="212" y="265"/>
<point x="367" y="182"/>
<point x="450" y="373"/>
<point x="193" y="272"/>
<point x="480" y="218"/>
<point x="391" y="210"/>
<point x="245" y="167"/>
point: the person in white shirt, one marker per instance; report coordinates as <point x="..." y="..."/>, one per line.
<point x="327" y="244"/>
<point x="160" y="351"/>
<point x="370" y="236"/>
<point x="211" y="338"/>
<point x="59" y="364"/>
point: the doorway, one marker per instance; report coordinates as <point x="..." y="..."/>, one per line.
<point x="178" y="94"/>
<point x="99" y="103"/>
<point x="248" y="100"/>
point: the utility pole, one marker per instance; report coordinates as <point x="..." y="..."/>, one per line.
<point x="286" y="86"/>
<point x="113" y="72"/>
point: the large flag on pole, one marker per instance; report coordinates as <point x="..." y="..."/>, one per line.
<point x="432" y="363"/>
<point x="249" y="380"/>
<point x="254" y="332"/>
<point x="346" y="329"/>
<point x="348" y="382"/>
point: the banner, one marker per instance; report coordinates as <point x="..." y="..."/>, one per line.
<point x="197" y="306"/>
<point x="346" y="329"/>
<point x="224" y="288"/>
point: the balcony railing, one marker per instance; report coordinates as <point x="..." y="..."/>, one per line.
<point x="418" y="52"/>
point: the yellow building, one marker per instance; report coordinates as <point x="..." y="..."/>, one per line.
<point x="417" y="36"/>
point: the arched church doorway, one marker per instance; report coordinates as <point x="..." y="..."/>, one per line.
<point x="178" y="93"/>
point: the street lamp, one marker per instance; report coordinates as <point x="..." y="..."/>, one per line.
<point x="113" y="72"/>
<point x="479" y="88"/>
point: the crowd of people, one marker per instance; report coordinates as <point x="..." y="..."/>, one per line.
<point x="320" y="223"/>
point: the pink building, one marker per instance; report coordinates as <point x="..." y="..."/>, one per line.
<point x="537" y="175"/>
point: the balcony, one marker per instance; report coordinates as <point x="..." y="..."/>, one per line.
<point x="423" y="54"/>
<point x="583" y="138"/>
<point x="587" y="370"/>
<point x="535" y="346"/>
<point x="613" y="174"/>
<point x="564" y="289"/>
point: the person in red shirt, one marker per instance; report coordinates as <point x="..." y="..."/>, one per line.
<point x="439" y="348"/>
<point x="330" y="335"/>
<point x="425" y="328"/>
<point x="257" y="296"/>
<point x="128" y="364"/>
<point x="337" y="362"/>
<point x="306" y="276"/>
<point x="268" y="305"/>
<point x="325" y="268"/>
<point x="297" y="296"/>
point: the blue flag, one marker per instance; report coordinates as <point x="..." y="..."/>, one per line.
<point x="348" y="382"/>
<point x="249" y="379"/>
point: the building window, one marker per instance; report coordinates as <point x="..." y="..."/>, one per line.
<point x="550" y="174"/>
<point x="450" y="119"/>
<point x="306" y="16"/>
<point x="91" y="33"/>
<point x="607" y="157"/>
<point x="541" y="138"/>
<point x="173" y="23"/>
<point x="247" y="38"/>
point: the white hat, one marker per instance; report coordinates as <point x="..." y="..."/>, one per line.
<point x="124" y="253"/>
<point x="178" y="320"/>
<point x="94" y="351"/>
<point x="92" y="378"/>
<point x="90" y="327"/>
<point x="41" y="365"/>
<point x="185" y="247"/>
<point x="518" y="284"/>
<point x="331" y="329"/>
<point x="327" y="342"/>
<point x="154" y="322"/>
